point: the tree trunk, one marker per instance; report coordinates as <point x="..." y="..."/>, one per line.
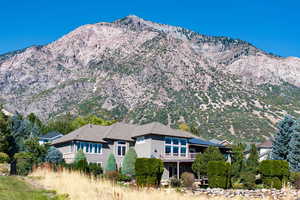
<point x="13" y="167"/>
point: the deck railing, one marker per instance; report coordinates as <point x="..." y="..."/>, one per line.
<point x="180" y="156"/>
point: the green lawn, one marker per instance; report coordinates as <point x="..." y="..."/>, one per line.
<point x="13" y="188"/>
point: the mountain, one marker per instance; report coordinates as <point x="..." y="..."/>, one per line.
<point x="139" y="71"/>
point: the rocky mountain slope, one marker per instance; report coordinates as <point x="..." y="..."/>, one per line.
<point x="139" y="71"/>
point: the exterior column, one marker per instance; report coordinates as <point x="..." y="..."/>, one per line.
<point x="178" y="170"/>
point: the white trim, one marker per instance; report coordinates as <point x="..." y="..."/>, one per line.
<point x="179" y="145"/>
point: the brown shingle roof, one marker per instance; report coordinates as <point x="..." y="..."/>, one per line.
<point x="266" y="144"/>
<point x="89" y="132"/>
<point x="120" y="131"/>
<point x="159" y="129"/>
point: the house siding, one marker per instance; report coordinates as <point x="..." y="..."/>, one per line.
<point x="157" y="146"/>
<point x="107" y="148"/>
<point x="143" y="149"/>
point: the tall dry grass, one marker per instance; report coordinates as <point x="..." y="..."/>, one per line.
<point x="80" y="187"/>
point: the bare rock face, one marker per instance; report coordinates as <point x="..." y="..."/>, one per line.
<point x="139" y="71"/>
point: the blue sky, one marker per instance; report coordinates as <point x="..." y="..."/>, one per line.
<point x="272" y="25"/>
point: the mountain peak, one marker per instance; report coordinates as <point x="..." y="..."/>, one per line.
<point x="134" y="18"/>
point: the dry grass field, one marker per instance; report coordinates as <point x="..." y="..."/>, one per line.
<point x="80" y="187"/>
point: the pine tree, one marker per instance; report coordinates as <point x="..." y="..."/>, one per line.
<point x="128" y="166"/>
<point x="54" y="156"/>
<point x="280" y="146"/>
<point x="238" y="161"/>
<point x="252" y="161"/>
<point x="111" y="164"/>
<point x="294" y="149"/>
<point x="210" y="154"/>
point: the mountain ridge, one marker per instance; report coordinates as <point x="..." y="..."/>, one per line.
<point x="140" y="71"/>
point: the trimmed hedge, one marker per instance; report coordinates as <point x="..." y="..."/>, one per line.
<point x="274" y="173"/>
<point x="3" y="157"/>
<point x="148" y="171"/>
<point x="218" y="174"/>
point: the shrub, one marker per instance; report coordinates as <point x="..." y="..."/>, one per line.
<point x="79" y="156"/>
<point x="218" y="174"/>
<point x="187" y="179"/>
<point x="201" y="162"/>
<point x="111" y="164"/>
<point x="54" y="156"/>
<point x="3" y="158"/>
<point x="148" y="171"/>
<point x="273" y="182"/>
<point x="124" y="178"/>
<point x="82" y="165"/>
<point x="95" y="169"/>
<point x="248" y="180"/>
<point x="128" y="166"/>
<point x="24" y="163"/>
<point x="295" y="179"/>
<point x="175" y="182"/>
<point x="274" y="172"/>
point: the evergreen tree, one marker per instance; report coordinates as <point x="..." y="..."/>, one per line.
<point x="252" y="161"/>
<point x="111" y="164"/>
<point x="238" y="162"/>
<point x="37" y="151"/>
<point x="128" y="166"/>
<point x="294" y="149"/>
<point x="199" y="166"/>
<point x="280" y="146"/>
<point x="79" y="156"/>
<point x="54" y="156"/>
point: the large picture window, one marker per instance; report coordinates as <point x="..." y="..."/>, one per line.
<point x="89" y="147"/>
<point x="175" y="147"/>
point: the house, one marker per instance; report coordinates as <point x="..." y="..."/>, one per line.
<point x="177" y="149"/>
<point x="265" y="149"/>
<point x="221" y="142"/>
<point x="49" y="137"/>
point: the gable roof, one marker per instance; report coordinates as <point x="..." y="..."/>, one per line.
<point x="51" y="134"/>
<point x="266" y="144"/>
<point x="159" y="129"/>
<point x="89" y="133"/>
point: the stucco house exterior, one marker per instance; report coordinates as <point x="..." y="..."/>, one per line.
<point x="265" y="149"/>
<point x="176" y="148"/>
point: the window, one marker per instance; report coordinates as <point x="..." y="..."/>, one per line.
<point x="168" y="140"/>
<point x="89" y="147"/>
<point x="168" y="150"/>
<point x="98" y="148"/>
<point x="183" y="151"/>
<point x="140" y="140"/>
<point x="121" y="148"/>
<point x="175" y="151"/>
<point x="175" y="147"/>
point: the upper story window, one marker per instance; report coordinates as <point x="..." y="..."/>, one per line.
<point x="175" y="147"/>
<point x="140" y="140"/>
<point x="121" y="148"/>
<point x="89" y="147"/>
